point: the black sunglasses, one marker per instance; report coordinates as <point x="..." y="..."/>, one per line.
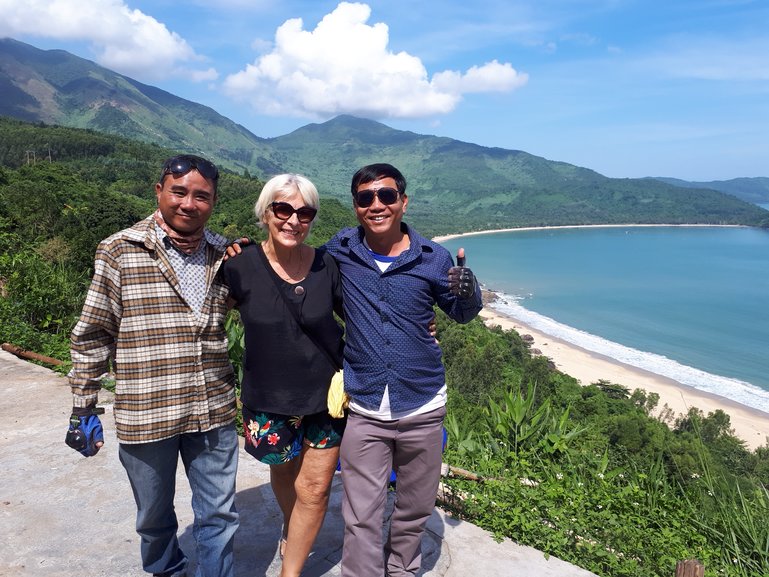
<point x="365" y="198"/>
<point x="283" y="211"/>
<point x="181" y="165"/>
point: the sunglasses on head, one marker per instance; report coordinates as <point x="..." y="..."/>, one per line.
<point x="365" y="198"/>
<point x="181" y="165"/>
<point x="283" y="211"/>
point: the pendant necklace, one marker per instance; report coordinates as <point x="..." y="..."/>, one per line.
<point x="298" y="289"/>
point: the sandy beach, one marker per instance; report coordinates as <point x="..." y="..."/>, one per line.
<point x="587" y="367"/>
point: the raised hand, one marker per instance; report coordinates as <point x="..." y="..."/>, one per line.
<point x="461" y="279"/>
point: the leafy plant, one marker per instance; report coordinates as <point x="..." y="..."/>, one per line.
<point x="236" y="343"/>
<point x="518" y="426"/>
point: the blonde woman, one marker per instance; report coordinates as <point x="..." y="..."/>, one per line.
<point x="286" y="292"/>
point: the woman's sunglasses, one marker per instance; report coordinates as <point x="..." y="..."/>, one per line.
<point x="181" y="165"/>
<point x="365" y="198"/>
<point x="283" y="211"/>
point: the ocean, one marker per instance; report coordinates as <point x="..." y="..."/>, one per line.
<point x="688" y="303"/>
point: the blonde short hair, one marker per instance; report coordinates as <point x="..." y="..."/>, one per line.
<point x="283" y="186"/>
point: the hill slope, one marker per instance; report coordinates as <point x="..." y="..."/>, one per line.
<point x="55" y="87"/>
<point x="456" y="186"/>
<point x="755" y="190"/>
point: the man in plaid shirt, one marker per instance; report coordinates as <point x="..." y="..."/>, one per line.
<point x="155" y="312"/>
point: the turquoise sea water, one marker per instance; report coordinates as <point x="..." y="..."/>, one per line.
<point x="689" y="303"/>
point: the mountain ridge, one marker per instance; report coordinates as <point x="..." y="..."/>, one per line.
<point x="455" y="186"/>
<point x="750" y="189"/>
<point x="56" y="87"/>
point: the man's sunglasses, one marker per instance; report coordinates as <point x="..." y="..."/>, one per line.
<point x="284" y="211"/>
<point x="365" y="198"/>
<point x="181" y="165"/>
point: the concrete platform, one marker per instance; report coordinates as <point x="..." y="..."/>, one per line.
<point x="62" y="515"/>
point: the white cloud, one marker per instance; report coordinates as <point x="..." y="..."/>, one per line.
<point x="125" y="40"/>
<point x="207" y="75"/>
<point x="344" y="65"/>
<point x="491" y="77"/>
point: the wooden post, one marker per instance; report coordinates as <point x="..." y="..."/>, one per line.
<point x="19" y="352"/>
<point x="690" y="568"/>
<point x="457" y="472"/>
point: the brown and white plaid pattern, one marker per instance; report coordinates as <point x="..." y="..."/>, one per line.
<point x="173" y="374"/>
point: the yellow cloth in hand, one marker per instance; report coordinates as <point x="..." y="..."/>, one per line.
<point x="337" y="399"/>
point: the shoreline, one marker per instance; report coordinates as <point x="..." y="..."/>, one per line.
<point x="446" y="237"/>
<point x="750" y="425"/>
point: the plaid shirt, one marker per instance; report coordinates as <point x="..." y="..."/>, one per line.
<point x="173" y="374"/>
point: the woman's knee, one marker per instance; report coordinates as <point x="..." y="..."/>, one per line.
<point x="312" y="492"/>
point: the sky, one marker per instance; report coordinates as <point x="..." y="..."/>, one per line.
<point x="629" y="88"/>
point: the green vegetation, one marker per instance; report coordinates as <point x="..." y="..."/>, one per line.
<point x="599" y="475"/>
<point x="755" y="190"/>
<point x="53" y="213"/>
<point x="81" y="94"/>
<point x="458" y="187"/>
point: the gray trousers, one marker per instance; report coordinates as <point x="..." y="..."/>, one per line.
<point x="411" y="447"/>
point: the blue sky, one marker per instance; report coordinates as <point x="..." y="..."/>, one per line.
<point x="629" y="88"/>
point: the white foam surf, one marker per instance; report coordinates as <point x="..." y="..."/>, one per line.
<point x="729" y="388"/>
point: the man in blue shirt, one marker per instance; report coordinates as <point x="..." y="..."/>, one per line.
<point x="391" y="278"/>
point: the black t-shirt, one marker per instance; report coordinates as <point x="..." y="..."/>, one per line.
<point x="283" y="370"/>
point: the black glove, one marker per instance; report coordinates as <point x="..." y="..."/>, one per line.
<point x="461" y="280"/>
<point x="84" y="432"/>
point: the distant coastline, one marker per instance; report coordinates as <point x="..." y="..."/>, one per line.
<point x="444" y="238"/>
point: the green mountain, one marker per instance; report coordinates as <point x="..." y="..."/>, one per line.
<point x="454" y="186"/>
<point x="55" y="87"/>
<point x="755" y="190"/>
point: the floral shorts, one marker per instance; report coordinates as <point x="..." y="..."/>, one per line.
<point x="273" y="438"/>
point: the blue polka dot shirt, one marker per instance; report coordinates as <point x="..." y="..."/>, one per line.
<point x="387" y="314"/>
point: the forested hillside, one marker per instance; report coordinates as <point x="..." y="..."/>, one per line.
<point x="458" y="187"/>
<point x="56" y="87"/>
<point x="79" y="187"/>
<point x="755" y="190"/>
